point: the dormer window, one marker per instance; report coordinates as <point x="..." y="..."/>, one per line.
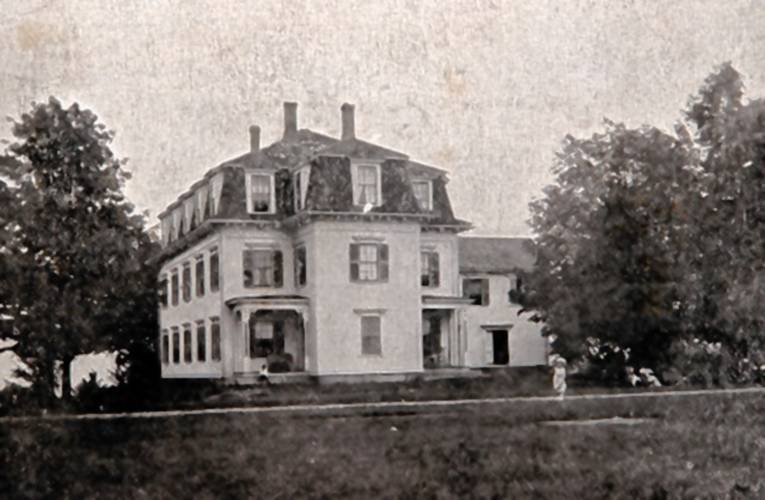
<point x="366" y="185"/>
<point x="300" y="184"/>
<point x="424" y="193"/>
<point x="260" y="193"/>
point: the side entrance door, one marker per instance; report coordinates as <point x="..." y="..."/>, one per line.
<point x="501" y="347"/>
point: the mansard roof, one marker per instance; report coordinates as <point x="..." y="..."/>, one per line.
<point x="498" y="255"/>
<point x="356" y="148"/>
<point x="221" y="194"/>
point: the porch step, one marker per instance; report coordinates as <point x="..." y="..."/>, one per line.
<point x="447" y="373"/>
<point x="274" y="378"/>
<point x="357" y="378"/>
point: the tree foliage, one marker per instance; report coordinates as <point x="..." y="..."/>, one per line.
<point x="73" y="250"/>
<point x="649" y="239"/>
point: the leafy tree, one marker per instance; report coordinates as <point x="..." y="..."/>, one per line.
<point x="649" y="240"/>
<point x="607" y="281"/>
<point x="729" y="258"/>
<point x="73" y="248"/>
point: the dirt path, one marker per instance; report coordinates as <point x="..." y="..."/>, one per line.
<point x="390" y="406"/>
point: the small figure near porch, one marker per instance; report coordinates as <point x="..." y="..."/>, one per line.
<point x="632" y="378"/>
<point x="649" y="379"/>
<point x="559" y="376"/>
<point x="263" y="375"/>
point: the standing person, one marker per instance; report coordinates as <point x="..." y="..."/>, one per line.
<point x="559" y="376"/>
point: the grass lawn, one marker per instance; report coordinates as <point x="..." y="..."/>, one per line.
<point x="702" y="446"/>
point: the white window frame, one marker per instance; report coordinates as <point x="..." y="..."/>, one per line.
<point x="296" y="270"/>
<point x="488" y="288"/>
<point x="201" y="323"/>
<point x="370" y="313"/>
<point x="355" y="178"/>
<point x="429" y="251"/>
<point x="304" y="174"/>
<point x="215" y="325"/>
<point x="428" y="183"/>
<point x="216" y="189"/>
<point x="272" y="194"/>
<point x="165" y="347"/>
<point x="200" y="204"/>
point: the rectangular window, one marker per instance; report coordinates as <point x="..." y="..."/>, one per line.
<point x="301" y="271"/>
<point x="162" y="291"/>
<point x="369" y="262"/>
<point x="214" y="270"/>
<point x="423" y="194"/>
<point x="262" y="268"/>
<point x="174" y="287"/>
<point x="214" y="339"/>
<point x="366" y="188"/>
<point x="186" y="282"/>
<point x="201" y="341"/>
<point x="200" y="275"/>
<point x="516" y="290"/>
<point x="187" y="343"/>
<point x="165" y="347"/>
<point x="429" y="269"/>
<point x="262" y="335"/>
<point x="176" y="345"/>
<point x="260" y="193"/>
<point x="297" y="191"/>
<point x="477" y="290"/>
<point x="371" y="343"/>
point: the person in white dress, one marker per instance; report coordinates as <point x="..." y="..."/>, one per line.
<point x="559" y="376"/>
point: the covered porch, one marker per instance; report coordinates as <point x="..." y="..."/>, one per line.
<point x="443" y="339"/>
<point x="272" y="332"/>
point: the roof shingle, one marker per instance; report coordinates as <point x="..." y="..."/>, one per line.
<point x="496" y="255"/>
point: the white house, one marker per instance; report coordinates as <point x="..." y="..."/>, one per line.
<point x="331" y="257"/>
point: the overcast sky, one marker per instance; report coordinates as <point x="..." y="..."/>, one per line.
<point x="484" y="89"/>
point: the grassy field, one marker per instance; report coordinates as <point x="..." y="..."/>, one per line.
<point x="705" y="446"/>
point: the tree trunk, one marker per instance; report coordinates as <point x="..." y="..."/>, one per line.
<point x="45" y="383"/>
<point x="66" y="379"/>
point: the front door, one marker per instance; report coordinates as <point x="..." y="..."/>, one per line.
<point x="501" y="347"/>
<point x="431" y="340"/>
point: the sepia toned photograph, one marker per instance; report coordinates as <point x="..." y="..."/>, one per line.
<point x="287" y="249"/>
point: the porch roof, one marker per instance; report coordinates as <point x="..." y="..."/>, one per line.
<point x="268" y="300"/>
<point x="449" y="301"/>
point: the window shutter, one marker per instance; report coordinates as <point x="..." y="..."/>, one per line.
<point x="248" y="267"/>
<point x="382" y="263"/>
<point x="354" y="260"/>
<point x="278" y="268"/>
<point x="485" y="292"/>
<point x="435" y="270"/>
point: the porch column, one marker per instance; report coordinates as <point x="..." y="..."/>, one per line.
<point x="303" y="312"/>
<point x="247" y="313"/>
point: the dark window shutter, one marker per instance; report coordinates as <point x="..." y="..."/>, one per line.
<point x="214" y="272"/>
<point x="485" y="292"/>
<point x="382" y="262"/>
<point x="354" y="259"/>
<point x="247" y="268"/>
<point x="278" y="268"/>
<point x="435" y="270"/>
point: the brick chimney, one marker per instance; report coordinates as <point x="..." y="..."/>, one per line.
<point x="254" y="140"/>
<point x="290" y="119"/>
<point x="349" y="120"/>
